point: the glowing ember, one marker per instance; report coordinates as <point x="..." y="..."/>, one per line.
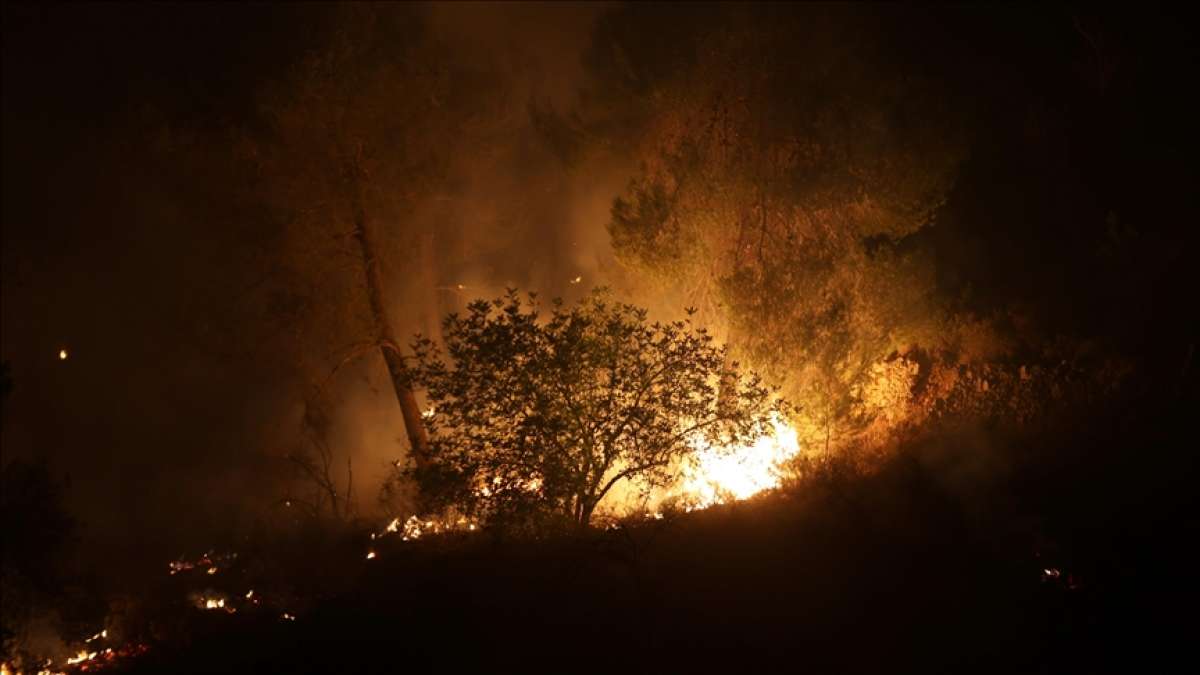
<point x="86" y="659"/>
<point x="81" y="657"/>
<point x="62" y="355"/>
<point x="415" y="527"/>
<point x="210" y="562"/>
<point x="213" y="601"/>
<point x="371" y="555"/>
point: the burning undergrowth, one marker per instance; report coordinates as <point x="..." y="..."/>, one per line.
<point x="941" y="537"/>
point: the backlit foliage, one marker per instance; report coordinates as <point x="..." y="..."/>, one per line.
<point x="782" y="190"/>
<point x="538" y="417"/>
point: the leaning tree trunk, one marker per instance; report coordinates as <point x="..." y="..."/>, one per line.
<point x="418" y="439"/>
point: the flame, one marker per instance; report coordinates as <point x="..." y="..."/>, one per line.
<point x="81" y="657"/>
<point x="86" y="659"/>
<point x="714" y="475"/>
<point x="710" y="476"/>
<point x="213" y="601"/>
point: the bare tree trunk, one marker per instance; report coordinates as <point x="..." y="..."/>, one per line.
<point x="418" y="439"/>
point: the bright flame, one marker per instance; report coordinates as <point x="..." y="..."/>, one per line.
<point x="81" y="657"/>
<point x="716" y="475"/>
<point x="710" y="476"/>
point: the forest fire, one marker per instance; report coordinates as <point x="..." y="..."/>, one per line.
<point x="85" y="658"/>
<point x="414" y="528"/>
<point x="715" y="475"/>
<point x="824" y="333"/>
<point x="707" y="477"/>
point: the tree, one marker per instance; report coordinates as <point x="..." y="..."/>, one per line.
<point x="341" y="130"/>
<point x="537" y="418"/>
<point x="351" y="142"/>
<point x="782" y="189"/>
<point x="313" y="461"/>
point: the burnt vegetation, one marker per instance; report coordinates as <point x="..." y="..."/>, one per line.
<point x="847" y="338"/>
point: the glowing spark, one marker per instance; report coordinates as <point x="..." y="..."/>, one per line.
<point x="576" y="280"/>
<point x="62" y="355"/>
<point x="370" y="555"/>
<point x="212" y="570"/>
<point x="250" y="594"/>
<point x="287" y="617"/>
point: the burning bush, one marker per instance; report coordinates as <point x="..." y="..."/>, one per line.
<point x="536" y="419"/>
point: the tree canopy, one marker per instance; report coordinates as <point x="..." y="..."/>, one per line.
<point x="535" y="418"/>
<point x="781" y="188"/>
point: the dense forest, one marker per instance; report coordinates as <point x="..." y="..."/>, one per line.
<point x="357" y="337"/>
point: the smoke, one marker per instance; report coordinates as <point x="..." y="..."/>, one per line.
<point x="511" y="214"/>
<point x="124" y="244"/>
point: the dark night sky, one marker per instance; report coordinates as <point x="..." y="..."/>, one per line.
<point x="159" y="434"/>
<point x="160" y="437"/>
<point x="85" y="269"/>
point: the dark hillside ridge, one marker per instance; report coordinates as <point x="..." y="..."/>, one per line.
<point x="904" y="570"/>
